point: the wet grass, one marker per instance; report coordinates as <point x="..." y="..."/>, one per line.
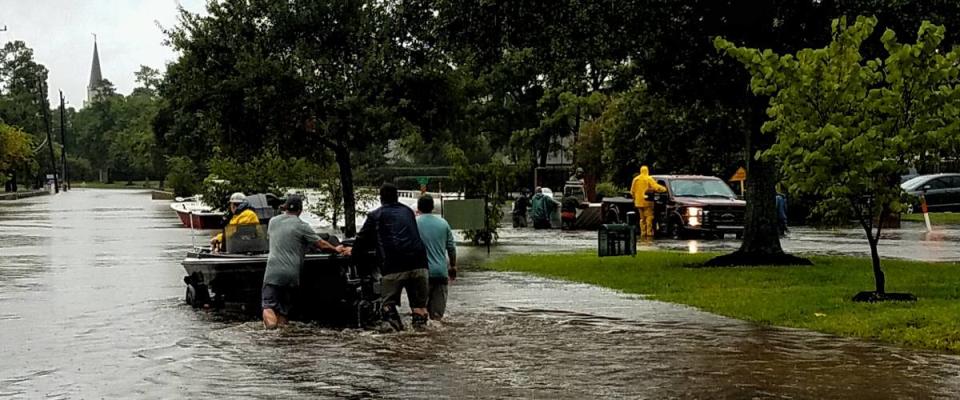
<point x="815" y="298"/>
<point x="935" y="218"/>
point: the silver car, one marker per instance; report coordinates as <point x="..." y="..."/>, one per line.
<point x="942" y="191"/>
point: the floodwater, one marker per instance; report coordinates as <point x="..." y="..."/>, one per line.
<point x="91" y="307"/>
<point x="910" y="242"/>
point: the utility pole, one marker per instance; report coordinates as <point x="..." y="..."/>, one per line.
<point x="63" y="144"/>
<point x="46" y="122"/>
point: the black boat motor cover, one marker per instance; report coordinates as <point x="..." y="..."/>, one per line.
<point x="263" y="205"/>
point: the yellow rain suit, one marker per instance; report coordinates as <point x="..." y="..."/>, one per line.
<point x="642" y="184"/>
<point x="245" y="217"/>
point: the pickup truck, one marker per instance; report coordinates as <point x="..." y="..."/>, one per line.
<point x="696" y="205"/>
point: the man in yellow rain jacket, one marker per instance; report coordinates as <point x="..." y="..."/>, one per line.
<point x="642" y="184"/>
<point x="242" y="215"/>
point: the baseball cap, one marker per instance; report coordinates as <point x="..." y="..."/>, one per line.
<point x="237" y="197"/>
<point x="293" y="203"/>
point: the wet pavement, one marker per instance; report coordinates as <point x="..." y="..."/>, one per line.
<point x="91" y="307"/>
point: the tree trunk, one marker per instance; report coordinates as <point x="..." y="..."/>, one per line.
<point x="877" y="272"/>
<point x="349" y="199"/>
<point x="761" y="237"/>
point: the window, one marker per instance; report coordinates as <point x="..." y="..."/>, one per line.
<point x="953" y="182"/>
<point x="700" y="188"/>
<point x="935" y="184"/>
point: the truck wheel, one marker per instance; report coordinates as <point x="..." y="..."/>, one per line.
<point x="675" y="231"/>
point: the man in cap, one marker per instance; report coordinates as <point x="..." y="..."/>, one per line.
<point x="289" y="239"/>
<point x="242" y="214"/>
<point x="392" y="231"/>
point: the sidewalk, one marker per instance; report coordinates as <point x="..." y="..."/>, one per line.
<point x="22" y="195"/>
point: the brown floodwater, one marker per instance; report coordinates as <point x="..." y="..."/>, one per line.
<point x="91" y="307"/>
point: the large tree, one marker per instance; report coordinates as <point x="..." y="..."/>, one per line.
<point x="23" y="101"/>
<point x="306" y="77"/>
<point x="846" y="125"/>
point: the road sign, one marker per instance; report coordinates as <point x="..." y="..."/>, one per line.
<point x="422" y="180"/>
<point x="739" y="176"/>
<point x="465" y="214"/>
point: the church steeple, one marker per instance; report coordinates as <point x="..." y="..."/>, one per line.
<point x="95" y="76"/>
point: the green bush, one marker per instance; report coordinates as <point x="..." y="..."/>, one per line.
<point x="182" y="176"/>
<point x="79" y="169"/>
<point x="608" y="189"/>
<point x="266" y="173"/>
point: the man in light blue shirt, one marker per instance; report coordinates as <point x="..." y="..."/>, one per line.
<point x="438" y="240"/>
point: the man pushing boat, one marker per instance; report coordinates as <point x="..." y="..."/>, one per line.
<point x="290" y="237"/>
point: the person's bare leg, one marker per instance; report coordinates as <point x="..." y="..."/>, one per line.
<point x="281" y="320"/>
<point x="270" y="318"/>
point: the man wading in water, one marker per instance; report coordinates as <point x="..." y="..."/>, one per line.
<point x="391" y="230"/>
<point x="438" y="240"/>
<point x="289" y="239"/>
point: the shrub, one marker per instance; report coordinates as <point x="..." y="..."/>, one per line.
<point x="182" y="176"/>
<point x="608" y="189"/>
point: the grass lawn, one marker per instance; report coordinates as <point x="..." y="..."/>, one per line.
<point x="935" y="218"/>
<point x="116" y="185"/>
<point x="815" y="298"/>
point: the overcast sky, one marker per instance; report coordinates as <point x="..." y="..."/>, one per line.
<point x="60" y="34"/>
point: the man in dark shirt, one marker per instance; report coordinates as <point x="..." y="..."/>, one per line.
<point x="392" y="231"/>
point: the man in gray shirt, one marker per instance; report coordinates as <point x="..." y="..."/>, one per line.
<point x="290" y="237"/>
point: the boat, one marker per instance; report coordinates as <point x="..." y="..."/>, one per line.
<point x="334" y="290"/>
<point x="195" y="214"/>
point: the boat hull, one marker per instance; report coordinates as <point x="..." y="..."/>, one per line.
<point x="203" y="221"/>
<point x="332" y="290"/>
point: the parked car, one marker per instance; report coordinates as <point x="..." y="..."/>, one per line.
<point x="942" y="192"/>
<point x="697" y="206"/>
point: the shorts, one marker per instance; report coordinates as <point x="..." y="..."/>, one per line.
<point x="415" y="281"/>
<point x="437" y="303"/>
<point x="277" y="298"/>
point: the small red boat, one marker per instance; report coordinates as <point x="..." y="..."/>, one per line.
<point x="196" y="215"/>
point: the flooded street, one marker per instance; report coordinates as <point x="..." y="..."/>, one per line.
<point x="91" y="306"/>
<point x="910" y="242"/>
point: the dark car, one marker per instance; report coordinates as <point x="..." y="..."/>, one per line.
<point x="697" y="206"/>
<point x="942" y="192"/>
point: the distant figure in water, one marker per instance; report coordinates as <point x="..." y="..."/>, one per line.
<point x="289" y="238"/>
<point x="782" y="214"/>
<point x="541" y="208"/>
<point x="520" y="209"/>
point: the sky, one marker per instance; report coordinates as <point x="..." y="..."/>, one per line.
<point x="60" y="32"/>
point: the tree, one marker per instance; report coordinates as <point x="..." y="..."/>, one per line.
<point x="846" y="126"/>
<point x="306" y="77"/>
<point x="14" y="148"/>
